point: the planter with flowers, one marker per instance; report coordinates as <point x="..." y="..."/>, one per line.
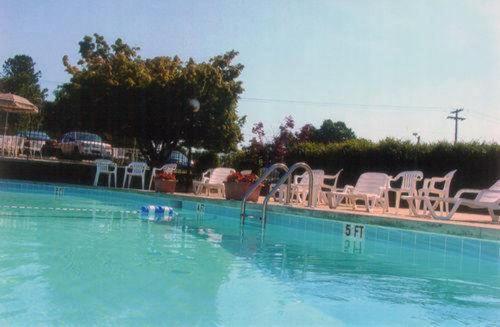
<point x="237" y="185"/>
<point x="165" y="182"/>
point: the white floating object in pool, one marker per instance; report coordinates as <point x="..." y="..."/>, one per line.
<point x="157" y="213"/>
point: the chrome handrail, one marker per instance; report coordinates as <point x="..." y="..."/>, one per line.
<point x="283" y="180"/>
<point x="256" y="184"/>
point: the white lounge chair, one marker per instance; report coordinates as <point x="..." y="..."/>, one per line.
<point x="167" y="168"/>
<point x="431" y="187"/>
<point x="105" y="167"/>
<point x="370" y="188"/>
<point x="212" y="179"/>
<point x="488" y="199"/>
<point x="135" y="169"/>
<point x="408" y="186"/>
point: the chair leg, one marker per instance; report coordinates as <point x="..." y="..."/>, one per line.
<point x="129" y="181"/>
<point x="142" y="180"/>
<point x="151" y="179"/>
<point x="109" y="180"/>
<point x="115" y="179"/>
<point x="96" y="178"/>
<point x="398" y="200"/>
<point x="494" y="218"/>
<point x="124" y="180"/>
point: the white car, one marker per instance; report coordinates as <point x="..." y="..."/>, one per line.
<point x="81" y="144"/>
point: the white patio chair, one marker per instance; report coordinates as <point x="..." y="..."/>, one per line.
<point x="408" y="186"/>
<point x="6" y="145"/>
<point x="105" y="167"/>
<point x="331" y="187"/>
<point x="18" y="145"/>
<point x="431" y="187"/>
<point x="168" y="168"/>
<point x="370" y="188"/>
<point x="34" y="146"/>
<point x="135" y="169"/>
<point x="300" y="186"/>
<point x="212" y="179"/>
<point x="488" y="199"/>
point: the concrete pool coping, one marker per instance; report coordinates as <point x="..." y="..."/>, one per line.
<point x="465" y="224"/>
<point x="477" y="226"/>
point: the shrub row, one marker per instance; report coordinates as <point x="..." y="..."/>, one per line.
<point x="478" y="164"/>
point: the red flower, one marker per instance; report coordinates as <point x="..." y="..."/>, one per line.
<point x="237" y="177"/>
<point x="164" y="176"/>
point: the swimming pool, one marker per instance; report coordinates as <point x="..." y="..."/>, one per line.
<point x="80" y="256"/>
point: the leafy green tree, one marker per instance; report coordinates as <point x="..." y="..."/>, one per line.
<point x="330" y="131"/>
<point x="148" y="102"/>
<point x="20" y="77"/>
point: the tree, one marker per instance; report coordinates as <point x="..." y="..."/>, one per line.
<point x="20" y="77"/>
<point x="115" y="92"/>
<point x="306" y="133"/>
<point x="284" y="139"/>
<point x="330" y="131"/>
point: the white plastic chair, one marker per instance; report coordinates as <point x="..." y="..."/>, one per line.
<point x="370" y="188"/>
<point x="105" y="167"/>
<point x="300" y="186"/>
<point x="34" y="146"/>
<point x="18" y="145"/>
<point x="488" y="199"/>
<point x="212" y="179"/>
<point x="431" y="188"/>
<point x="135" y="169"/>
<point x="168" y="168"/>
<point x="408" y="186"/>
<point x="332" y="187"/>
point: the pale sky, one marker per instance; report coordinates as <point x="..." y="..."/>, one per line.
<point x="386" y="68"/>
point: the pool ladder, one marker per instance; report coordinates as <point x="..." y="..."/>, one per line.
<point x="286" y="178"/>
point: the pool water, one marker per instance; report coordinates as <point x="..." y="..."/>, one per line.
<point x="75" y="256"/>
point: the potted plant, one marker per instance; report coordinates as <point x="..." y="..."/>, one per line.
<point x="165" y="182"/>
<point x="238" y="184"/>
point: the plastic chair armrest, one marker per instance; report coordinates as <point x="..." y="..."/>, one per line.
<point x="466" y="191"/>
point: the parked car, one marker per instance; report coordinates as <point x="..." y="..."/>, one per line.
<point x="34" y="135"/>
<point x="81" y="144"/>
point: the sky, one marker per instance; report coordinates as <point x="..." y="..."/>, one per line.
<point x="385" y="68"/>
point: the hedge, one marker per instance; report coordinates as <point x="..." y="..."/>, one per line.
<point x="477" y="164"/>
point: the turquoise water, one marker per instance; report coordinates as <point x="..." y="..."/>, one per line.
<point x="84" y="258"/>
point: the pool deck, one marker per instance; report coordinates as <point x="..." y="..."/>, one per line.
<point x="463" y="224"/>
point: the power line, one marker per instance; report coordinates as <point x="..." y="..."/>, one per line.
<point x="456" y="119"/>
<point x="329" y="103"/>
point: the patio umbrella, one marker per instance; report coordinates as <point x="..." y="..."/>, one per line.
<point x="15" y="104"/>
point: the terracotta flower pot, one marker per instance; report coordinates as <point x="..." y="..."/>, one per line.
<point x="165" y="186"/>
<point x="236" y="191"/>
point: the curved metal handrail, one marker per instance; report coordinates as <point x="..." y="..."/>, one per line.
<point x="256" y="184"/>
<point x="283" y="180"/>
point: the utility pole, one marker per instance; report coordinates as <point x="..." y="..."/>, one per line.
<point x="417" y="136"/>
<point x="456" y="119"/>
